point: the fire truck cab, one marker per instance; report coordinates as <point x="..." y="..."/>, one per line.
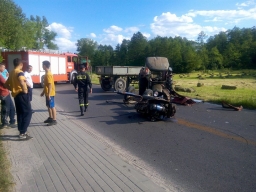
<point x="64" y="66"/>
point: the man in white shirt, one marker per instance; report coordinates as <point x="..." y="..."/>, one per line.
<point x="29" y="82"/>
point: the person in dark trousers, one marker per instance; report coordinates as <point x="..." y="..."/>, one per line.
<point x="7" y="106"/>
<point x="16" y="83"/>
<point x="29" y="82"/>
<point x="81" y="83"/>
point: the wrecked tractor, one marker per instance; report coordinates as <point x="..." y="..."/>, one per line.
<point x="154" y="100"/>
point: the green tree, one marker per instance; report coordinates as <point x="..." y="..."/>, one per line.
<point x="11" y="21"/>
<point x="43" y="37"/>
<point x="201" y="38"/>
<point x="86" y="47"/>
<point x="215" y="59"/>
<point x="136" y="49"/>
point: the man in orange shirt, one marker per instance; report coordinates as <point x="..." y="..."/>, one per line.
<point x="16" y="83"/>
<point x="49" y="92"/>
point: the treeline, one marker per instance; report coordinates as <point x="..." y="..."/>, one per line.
<point x="233" y="49"/>
<point x="17" y="31"/>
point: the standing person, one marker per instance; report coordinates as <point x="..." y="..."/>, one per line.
<point x="4" y="72"/>
<point x="7" y="106"/>
<point x="16" y="83"/>
<point x="29" y="82"/>
<point x="81" y="83"/>
<point x="49" y="92"/>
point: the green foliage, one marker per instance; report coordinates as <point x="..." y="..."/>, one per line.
<point x="233" y="49"/>
<point x="86" y="47"/>
<point x="17" y="31"/>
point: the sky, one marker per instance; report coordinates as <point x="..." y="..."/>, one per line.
<point x="108" y="22"/>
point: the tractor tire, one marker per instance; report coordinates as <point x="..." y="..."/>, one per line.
<point x="105" y="85"/>
<point x="120" y="85"/>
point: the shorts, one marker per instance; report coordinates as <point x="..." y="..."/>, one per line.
<point x="50" y="103"/>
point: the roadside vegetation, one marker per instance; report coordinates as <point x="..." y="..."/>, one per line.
<point x="5" y="176"/>
<point x="234" y="87"/>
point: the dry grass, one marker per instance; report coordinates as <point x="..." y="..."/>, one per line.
<point x="244" y="94"/>
<point x="5" y="176"/>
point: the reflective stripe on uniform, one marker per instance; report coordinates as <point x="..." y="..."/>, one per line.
<point x="86" y="104"/>
<point x="81" y="105"/>
<point x="80" y="77"/>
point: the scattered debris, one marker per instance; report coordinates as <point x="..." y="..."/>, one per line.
<point x="227" y="105"/>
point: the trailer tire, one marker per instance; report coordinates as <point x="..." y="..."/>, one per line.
<point x="42" y="81"/>
<point x="105" y="85"/>
<point x="120" y="85"/>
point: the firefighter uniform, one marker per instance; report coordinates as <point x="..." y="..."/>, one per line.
<point x="81" y="83"/>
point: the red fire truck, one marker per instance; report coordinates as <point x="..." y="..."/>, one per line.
<point x="63" y="65"/>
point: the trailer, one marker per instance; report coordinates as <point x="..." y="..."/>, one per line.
<point x="64" y="66"/>
<point x="118" y="77"/>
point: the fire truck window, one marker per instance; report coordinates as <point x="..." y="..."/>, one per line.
<point x="69" y="59"/>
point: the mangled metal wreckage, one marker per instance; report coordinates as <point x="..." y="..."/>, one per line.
<point x="156" y="96"/>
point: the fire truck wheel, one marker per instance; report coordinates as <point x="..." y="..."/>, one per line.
<point x="42" y="81"/>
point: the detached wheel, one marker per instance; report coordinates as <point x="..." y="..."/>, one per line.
<point x="130" y="99"/>
<point x="105" y="85"/>
<point x="42" y="81"/>
<point x="120" y="85"/>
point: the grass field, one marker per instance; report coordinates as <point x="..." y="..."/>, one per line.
<point x="243" y="82"/>
<point x="211" y="90"/>
<point x="5" y="176"/>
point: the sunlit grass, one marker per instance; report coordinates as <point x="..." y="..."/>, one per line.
<point x="211" y="91"/>
<point x="5" y="176"/>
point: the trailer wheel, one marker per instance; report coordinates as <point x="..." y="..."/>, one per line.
<point x="120" y="85"/>
<point x="105" y="85"/>
<point x="42" y="81"/>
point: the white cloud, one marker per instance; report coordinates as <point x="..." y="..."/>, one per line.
<point x="245" y="4"/>
<point x="115" y="34"/>
<point x="63" y="39"/>
<point x="131" y="30"/>
<point x="146" y="35"/>
<point x="61" y="30"/>
<point x="169" y="24"/>
<point x="93" y="35"/>
<point x="212" y="21"/>
<point x="113" y="29"/>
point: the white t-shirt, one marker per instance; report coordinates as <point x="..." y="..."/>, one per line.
<point x="28" y="78"/>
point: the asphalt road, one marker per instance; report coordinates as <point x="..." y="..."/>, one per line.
<point x="205" y="148"/>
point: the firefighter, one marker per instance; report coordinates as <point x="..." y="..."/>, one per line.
<point x="82" y="82"/>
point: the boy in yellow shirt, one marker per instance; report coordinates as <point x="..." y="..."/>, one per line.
<point x="49" y="92"/>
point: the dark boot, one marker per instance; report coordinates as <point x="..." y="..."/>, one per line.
<point x="85" y="108"/>
<point x="82" y="111"/>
